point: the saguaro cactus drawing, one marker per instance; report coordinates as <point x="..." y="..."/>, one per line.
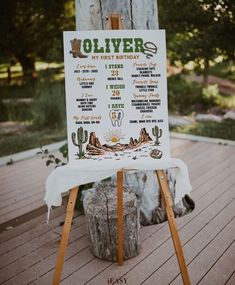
<point x="157" y="132"/>
<point x="82" y="137"/>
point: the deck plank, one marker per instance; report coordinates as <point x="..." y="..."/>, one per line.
<point x="28" y="252"/>
<point x="214" y="250"/>
<point x="22" y="188"/>
<point x="32" y="240"/>
<point x="231" y="280"/>
<point x="221" y="271"/>
<point x="218" y="189"/>
<point x="153" y="255"/>
<point x="27" y="258"/>
<point x="192" y="247"/>
<point x="31" y="233"/>
<point x="115" y="271"/>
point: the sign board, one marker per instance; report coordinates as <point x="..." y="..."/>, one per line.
<point x="116" y="96"/>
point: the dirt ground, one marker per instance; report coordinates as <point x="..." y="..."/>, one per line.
<point x="12" y="127"/>
<point x="224" y="85"/>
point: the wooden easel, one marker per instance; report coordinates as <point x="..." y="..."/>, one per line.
<point x="115" y="23"/>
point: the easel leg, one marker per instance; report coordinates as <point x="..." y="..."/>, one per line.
<point x="120" y="216"/>
<point x="65" y="236"/>
<point x="165" y="193"/>
<point x="115" y="23"/>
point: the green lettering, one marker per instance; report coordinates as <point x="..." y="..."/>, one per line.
<point x="97" y="49"/>
<point x="87" y="46"/>
<point x="127" y="45"/>
<point x="116" y="44"/>
<point x="107" y="48"/>
<point x="117" y="106"/>
<point x="139" y="43"/>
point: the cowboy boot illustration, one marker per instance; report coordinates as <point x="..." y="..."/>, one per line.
<point x="76" y="49"/>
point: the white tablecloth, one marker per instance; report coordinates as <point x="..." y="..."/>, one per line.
<point x="66" y="177"/>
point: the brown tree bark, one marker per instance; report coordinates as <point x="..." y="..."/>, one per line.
<point x="28" y="66"/>
<point x="205" y="73"/>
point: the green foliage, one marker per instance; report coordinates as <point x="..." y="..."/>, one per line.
<point x="199" y="31"/>
<point x="186" y="97"/>
<point x="13" y="143"/>
<point x="211" y="98"/>
<point x="223" y="70"/>
<point x="64" y="151"/>
<point x="39" y="103"/>
<point x="4" y="112"/>
<point x="33" y="29"/>
<point x="210" y="95"/>
<point x="25" y="90"/>
<point x="10" y="162"/>
<point x="15" y="110"/>
<point x="50" y="158"/>
<point x="223" y="130"/>
<point x="17" y="99"/>
<point x="49" y="108"/>
<point x="183" y="95"/>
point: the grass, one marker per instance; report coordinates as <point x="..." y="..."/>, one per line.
<point x="19" y="100"/>
<point x="10" y="144"/>
<point x="223" y="130"/>
<point x="184" y="97"/>
<point x="44" y="112"/>
<point x="14" y="110"/>
<point x="16" y="91"/>
<point x="48" y="75"/>
<point x="16" y="70"/>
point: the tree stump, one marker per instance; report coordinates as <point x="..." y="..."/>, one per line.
<point x="146" y="187"/>
<point x="100" y="207"/>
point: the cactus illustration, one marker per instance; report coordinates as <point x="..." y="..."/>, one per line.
<point x="157" y="132"/>
<point x="82" y="137"/>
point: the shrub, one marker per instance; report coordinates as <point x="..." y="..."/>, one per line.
<point x="3" y="113"/>
<point x="186" y="97"/>
<point x="223" y="130"/>
<point x="210" y="95"/>
<point x="24" y="90"/>
<point x="224" y="69"/>
<point x="183" y="96"/>
<point x="49" y="108"/>
<point x="18" y="110"/>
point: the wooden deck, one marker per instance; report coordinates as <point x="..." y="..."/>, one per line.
<point x="28" y="251"/>
<point x="22" y="188"/>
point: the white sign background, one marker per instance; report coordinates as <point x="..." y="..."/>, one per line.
<point x="90" y="108"/>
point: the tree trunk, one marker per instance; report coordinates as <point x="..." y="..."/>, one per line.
<point x="9" y="75"/>
<point x="146" y="187"/>
<point x="28" y="67"/>
<point x="100" y="207"/>
<point x="101" y="220"/>
<point x="136" y="14"/>
<point x="205" y="73"/>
